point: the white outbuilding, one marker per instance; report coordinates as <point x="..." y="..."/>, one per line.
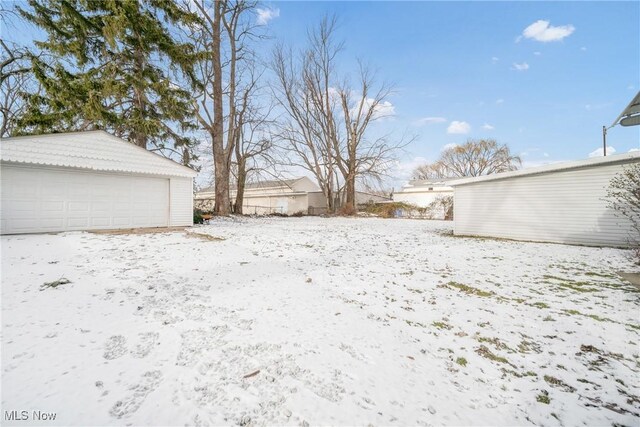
<point x="562" y="202"/>
<point x="89" y="181"/>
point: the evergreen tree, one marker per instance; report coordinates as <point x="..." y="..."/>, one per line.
<point x="113" y="68"/>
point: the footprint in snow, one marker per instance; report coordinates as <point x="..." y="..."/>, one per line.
<point x="115" y="347"/>
<point x="146" y="342"/>
<point x="139" y="392"/>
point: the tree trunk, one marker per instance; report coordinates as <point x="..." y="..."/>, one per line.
<point x="139" y="137"/>
<point x="242" y="179"/>
<point x="220" y="157"/>
<point x="350" y="180"/>
<point x="350" y="190"/>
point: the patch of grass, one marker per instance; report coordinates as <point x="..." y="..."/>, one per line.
<point x="577" y="286"/>
<point x="461" y="361"/>
<point x="556" y="382"/>
<point x="605" y="275"/>
<point x="540" y="305"/>
<point x="591" y="316"/>
<point x="493" y="341"/>
<point x="416" y="324"/>
<point x="486" y="353"/>
<point x="527" y="346"/>
<point x="548" y="319"/>
<point x="543" y="397"/>
<point x="598" y="318"/>
<point x="470" y="290"/>
<point x="442" y="325"/>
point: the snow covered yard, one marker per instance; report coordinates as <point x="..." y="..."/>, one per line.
<point x="317" y="321"/>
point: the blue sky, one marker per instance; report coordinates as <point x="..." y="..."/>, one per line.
<point x="542" y="77"/>
<point x="458" y="62"/>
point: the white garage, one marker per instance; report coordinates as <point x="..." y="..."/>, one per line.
<point x="563" y="203"/>
<point x="88" y="181"/>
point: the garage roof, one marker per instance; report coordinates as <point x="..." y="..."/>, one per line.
<point x="95" y="150"/>
<point x="631" y="157"/>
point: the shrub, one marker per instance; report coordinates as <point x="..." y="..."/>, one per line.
<point x="197" y="216"/>
<point x="347" y="210"/>
<point x="623" y="196"/>
<point x="388" y="210"/>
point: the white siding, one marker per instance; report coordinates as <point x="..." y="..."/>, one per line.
<point x="562" y="206"/>
<point x="181" y="201"/>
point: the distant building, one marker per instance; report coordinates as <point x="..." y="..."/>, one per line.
<point x="288" y="197"/>
<point x="423" y="193"/>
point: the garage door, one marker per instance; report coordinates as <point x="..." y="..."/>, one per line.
<point x="42" y="200"/>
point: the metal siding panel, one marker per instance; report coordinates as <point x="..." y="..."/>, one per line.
<point x="562" y="207"/>
<point x="181" y="201"/>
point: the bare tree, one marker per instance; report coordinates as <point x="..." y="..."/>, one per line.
<point x="325" y="122"/>
<point x="305" y="127"/>
<point x="362" y="157"/>
<point x="222" y="35"/>
<point x="473" y="158"/>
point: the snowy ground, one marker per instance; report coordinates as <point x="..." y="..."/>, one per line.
<point x="317" y="321"/>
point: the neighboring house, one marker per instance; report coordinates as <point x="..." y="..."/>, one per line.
<point x="562" y="202"/>
<point x="290" y="196"/>
<point x="89" y="181"/>
<point x="423" y="193"/>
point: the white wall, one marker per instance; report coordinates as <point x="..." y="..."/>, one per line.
<point x="421" y="198"/>
<point x="181" y="201"/>
<point x="267" y="204"/>
<point x="561" y="206"/>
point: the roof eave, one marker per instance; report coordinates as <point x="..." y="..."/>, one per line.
<point x="555" y="167"/>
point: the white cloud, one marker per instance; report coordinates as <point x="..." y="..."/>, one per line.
<point x="266" y="15"/>
<point x="459" y="127"/>
<point x="487" y="126"/>
<point x="584" y="49"/>
<point x="499" y="101"/>
<point x="542" y="31"/>
<point x="429" y="121"/>
<point x="633" y="150"/>
<point x="495" y="59"/>
<point x="599" y="152"/>
<point x="448" y="146"/>
<point x="404" y="169"/>
<point x="520" y="67"/>
<point x="383" y="109"/>
<point x="545" y="154"/>
<point x="591" y="107"/>
<point x="536" y="53"/>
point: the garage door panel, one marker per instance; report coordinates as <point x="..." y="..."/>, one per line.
<point x="101" y="221"/>
<point x="23" y="189"/>
<point x="78" y="208"/>
<point x="41" y="199"/>
<point x="121" y="221"/>
<point x="77" y="190"/>
<point x="26" y="207"/>
<point x="52" y="206"/>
